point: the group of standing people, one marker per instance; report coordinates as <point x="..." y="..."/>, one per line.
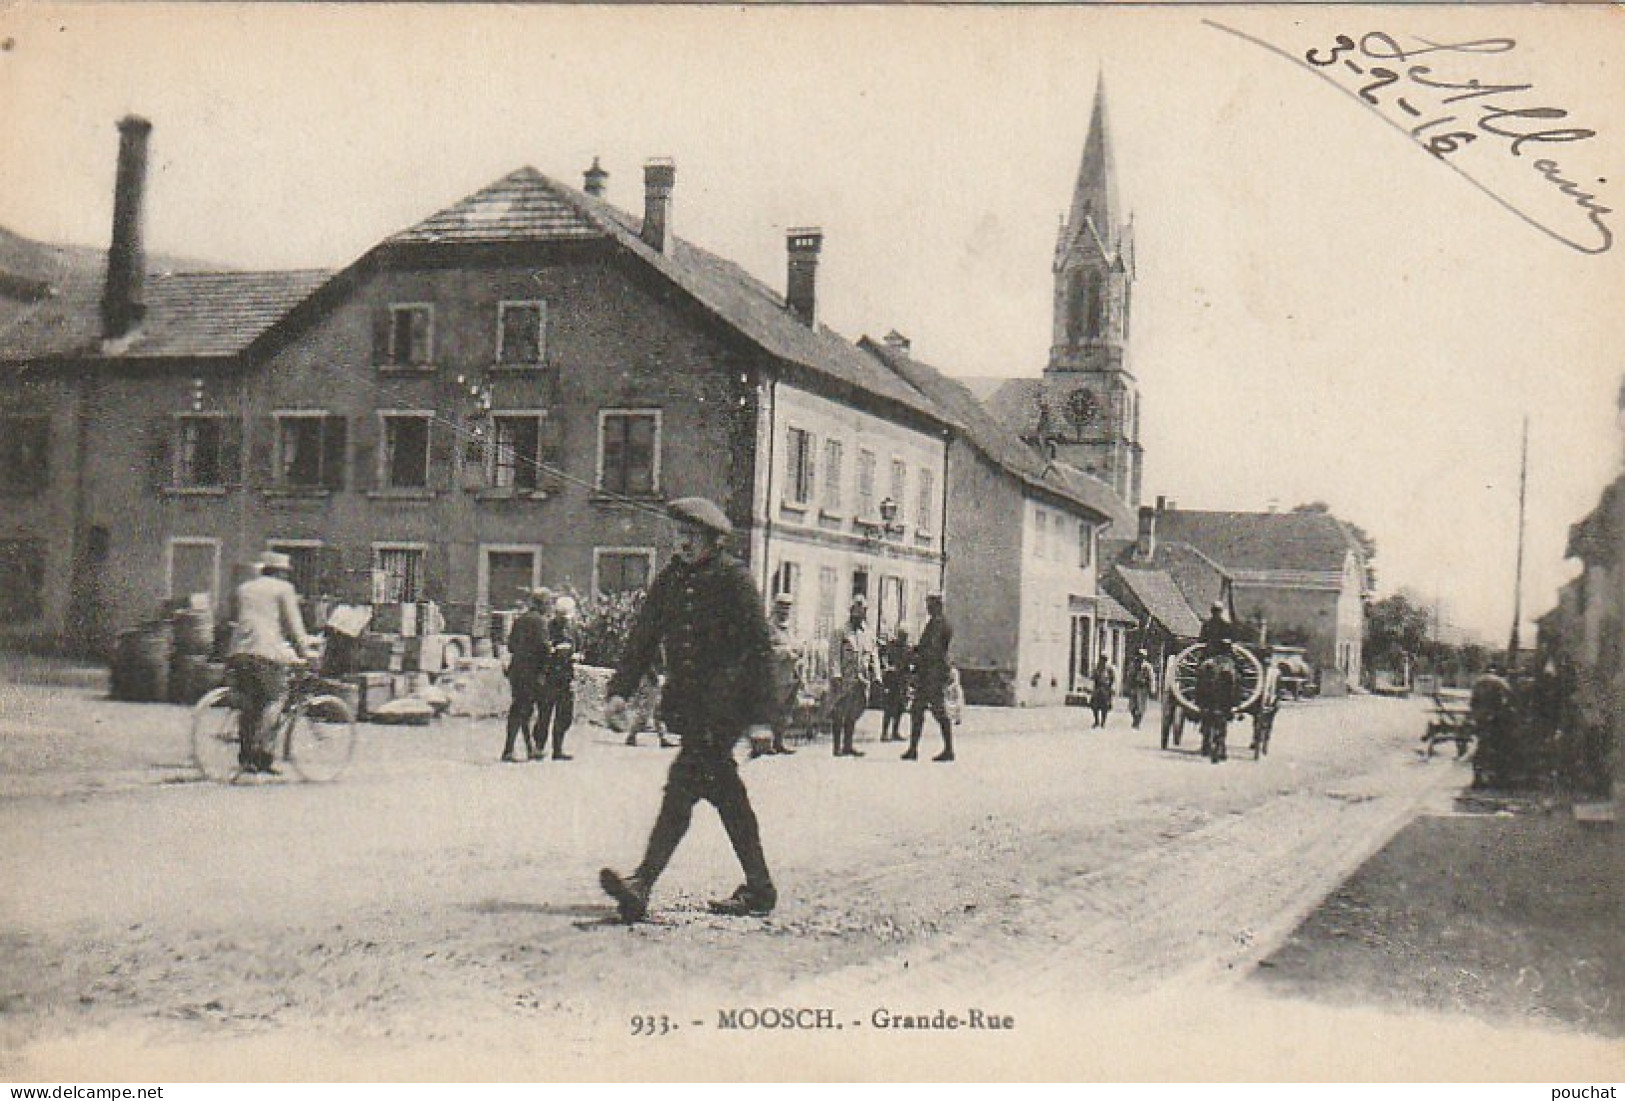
<point x="914" y="680"/>
<point x="541" y="674"/>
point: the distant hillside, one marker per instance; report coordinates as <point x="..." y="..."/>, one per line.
<point x="25" y="260"/>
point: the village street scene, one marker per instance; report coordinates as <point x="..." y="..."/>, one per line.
<point x="540" y="586"/>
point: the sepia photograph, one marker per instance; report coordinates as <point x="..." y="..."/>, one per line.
<point x="811" y="543"/>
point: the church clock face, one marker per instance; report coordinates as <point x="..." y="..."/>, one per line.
<point x="1083" y="408"/>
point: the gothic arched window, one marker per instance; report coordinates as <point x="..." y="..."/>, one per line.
<point x="1097" y="308"/>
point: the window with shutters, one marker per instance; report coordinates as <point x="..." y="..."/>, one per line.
<point x="1086" y="544"/>
<point x="899" y="487"/>
<point x="622" y="569"/>
<point x="521" y="334"/>
<point x="1040" y="533"/>
<point x="798" y="453"/>
<point x="524" y="454"/>
<point x="25" y="453"/>
<point x="206" y="451"/>
<point x="22" y="580"/>
<point x="404" y="337"/>
<point x="866" y="485"/>
<point x="629" y="452"/>
<point x="311" y="450"/>
<point x="832" y="476"/>
<point x="925" y="516"/>
<point x="397" y="573"/>
<point x="404" y="462"/>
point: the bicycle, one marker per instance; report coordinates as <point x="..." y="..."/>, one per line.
<point x="315" y="731"/>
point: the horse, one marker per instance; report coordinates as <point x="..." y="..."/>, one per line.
<point x="1218" y="691"/>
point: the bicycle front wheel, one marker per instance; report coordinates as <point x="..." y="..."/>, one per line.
<point x="321" y="739"/>
<point x="216" y="734"/>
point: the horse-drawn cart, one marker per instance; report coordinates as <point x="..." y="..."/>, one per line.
<point x="1212" y="688"/>
<point x="1450" y="720"/>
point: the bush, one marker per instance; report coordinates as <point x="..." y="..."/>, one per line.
<point x="605" y="622"/>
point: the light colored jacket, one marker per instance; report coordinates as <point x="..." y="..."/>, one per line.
<point x="853" y="656"/>
<point x="265" y="619"/>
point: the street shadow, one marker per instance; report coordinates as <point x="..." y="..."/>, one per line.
<point x="586" y="915"/>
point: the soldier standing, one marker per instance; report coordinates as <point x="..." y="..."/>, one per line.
<point x="896" y="670"/>
<point x="786" y="675"/>
<point x="854" y="665"/>
<point x="556" y="705"/>
<point x="1142" y="685"/>
<point x="527" y="653"/>
<point x="707" y="615"/>
<point x="931" y="672"/>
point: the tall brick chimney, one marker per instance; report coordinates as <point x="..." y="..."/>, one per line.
<point x="595" y="178"/>
<point x="801" y="291"/>
<point x="659" y="177"/>
<point x="123" y="296"/>
<point x="1145" y="545"/>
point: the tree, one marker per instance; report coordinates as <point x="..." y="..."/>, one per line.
<point x="1394" y="627"/>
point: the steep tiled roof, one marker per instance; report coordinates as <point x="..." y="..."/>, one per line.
<point x="997" y="444"/>
<point x="1161" y="596"/>
<point x="189" y="314"/>
<point x="527" y="205"/>
<point x="1016" y="403"/>
<point x="519" y="207"/>
<point x="1199" y="579"/>
<point x="1300" y="549"/>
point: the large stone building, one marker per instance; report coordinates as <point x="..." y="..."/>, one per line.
<point x="499" y="396"/>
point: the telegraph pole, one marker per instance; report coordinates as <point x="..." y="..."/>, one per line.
<point x="1517" y="585"/>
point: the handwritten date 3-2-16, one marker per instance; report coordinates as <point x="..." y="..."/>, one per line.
<point x="1456" y="112"/>
<point x="1428" y="91"/>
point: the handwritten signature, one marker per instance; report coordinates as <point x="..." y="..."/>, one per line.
<point x="1454" y="113"/>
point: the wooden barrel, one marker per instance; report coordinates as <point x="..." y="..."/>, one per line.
<point x="194" y="632"/>
<point x="141" y="662"/>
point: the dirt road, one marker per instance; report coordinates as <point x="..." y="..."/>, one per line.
<point x="436" y="912"/>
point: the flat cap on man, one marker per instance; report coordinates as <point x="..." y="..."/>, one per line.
<point x="701" y="511"/>
<point x="542" y="598"/>
<point x="784" y="600"/>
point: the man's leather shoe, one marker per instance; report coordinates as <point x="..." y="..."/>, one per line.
<point x="562" y="757"/>
<point x="910" y="755"/>
<point x="630" y="895"/>
<point x="943" y="757"/>
<point x="745" y="901"/>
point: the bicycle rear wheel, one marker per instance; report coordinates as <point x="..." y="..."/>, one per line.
<point x="216" y="734"/>
<point x="321" y="740"/>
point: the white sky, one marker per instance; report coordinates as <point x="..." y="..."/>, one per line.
<point x="1323" y="311"/>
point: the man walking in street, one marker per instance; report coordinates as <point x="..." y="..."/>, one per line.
<point x="267" y="635"/>
<point x="854" y="665"/>
<point x="1142" y="685"/>
<point x="1105" y="684"/>
<point x="528" y="650"/>
<point x="896" y="674"/>
<point x="556" y="703"/>
<point x="931" y="673"/>
<point x="705" y="613"/>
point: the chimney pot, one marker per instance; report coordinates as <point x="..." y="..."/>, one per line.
<point x="595" y="178"/>
<point x="123" y="294"/>
<point x="1146" y="543"/>
<point x="801" y="290"/>
<point x="659" y="178"/>
<point x="897" y="342"/>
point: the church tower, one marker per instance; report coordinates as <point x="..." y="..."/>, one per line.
<point x="1089" y="405"/>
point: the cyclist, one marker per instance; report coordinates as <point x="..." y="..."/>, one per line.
<point x="267" y="636"/>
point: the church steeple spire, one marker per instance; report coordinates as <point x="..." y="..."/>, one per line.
<point x="1094" y="196"/>
<point x="1089" y="398"/>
